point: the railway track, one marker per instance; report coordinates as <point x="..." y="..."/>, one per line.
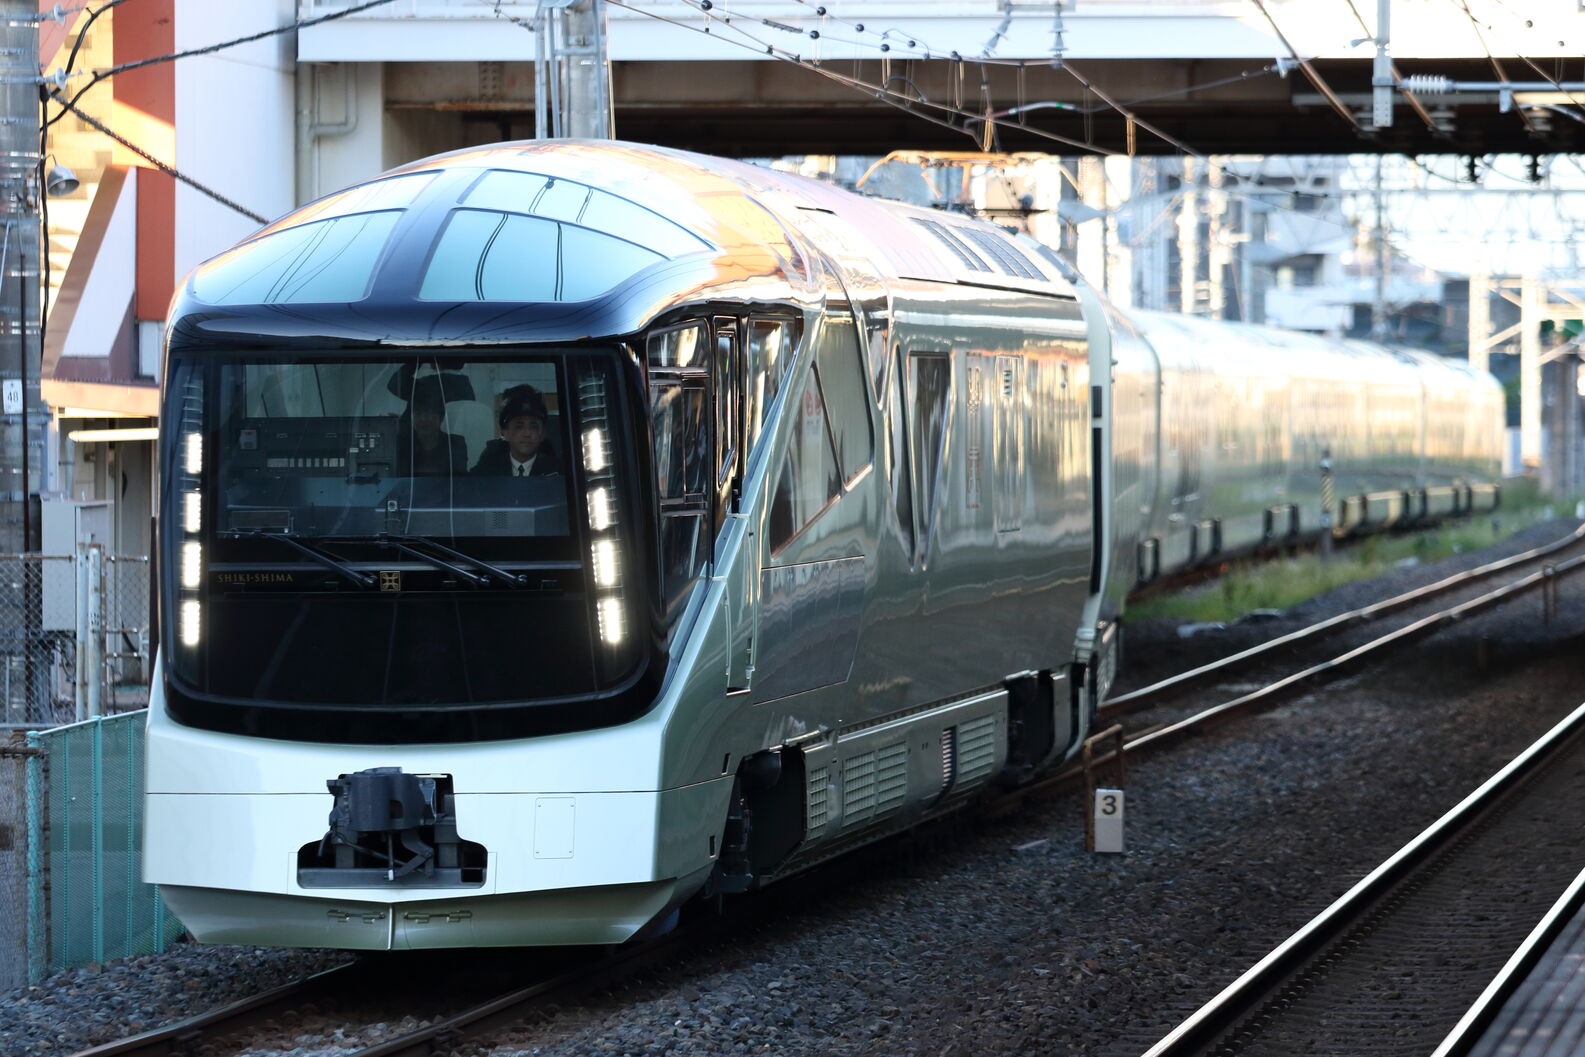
<point x="1311" y="641"/>
<point x="531" y="990"/>
<point x="1394" y="964"/>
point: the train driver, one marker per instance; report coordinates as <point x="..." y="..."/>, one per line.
<point x="522" y="450"/>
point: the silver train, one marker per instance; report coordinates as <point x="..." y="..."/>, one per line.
<point x="552" y="533"/>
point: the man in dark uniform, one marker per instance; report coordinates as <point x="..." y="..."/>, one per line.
<point x="423" y="448"/>
<point x="523" y="450"/>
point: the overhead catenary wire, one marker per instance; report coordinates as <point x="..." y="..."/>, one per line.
<point x="881" y="92"/>
<point x="943" y="112"/>
<point x="1309" y="69"/>
<point x="100" y="76"/>
<point x="168" y="169"/>
<point x="1496" y="66"/>
<point x="1412" y="99"/>
<point x="1554" y="81"/>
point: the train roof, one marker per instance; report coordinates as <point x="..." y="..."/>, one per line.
<point x="1258" y="347"/>
<point x="617" y="233"/>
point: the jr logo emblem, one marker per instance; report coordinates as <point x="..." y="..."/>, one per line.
<point x="390" y="579"/>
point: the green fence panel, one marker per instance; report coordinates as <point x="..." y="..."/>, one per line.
<point x="87" y="899"/>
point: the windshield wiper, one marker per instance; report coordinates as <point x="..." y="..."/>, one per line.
<point x="511" y="579"/>
<point x="392" y="541"/>
<point x="363" y="580"/>
<point x="410" y="545"/>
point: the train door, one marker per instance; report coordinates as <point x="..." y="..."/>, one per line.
<point x="814" y="549"/>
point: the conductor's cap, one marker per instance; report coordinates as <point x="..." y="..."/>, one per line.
<point x="521" y="400"/>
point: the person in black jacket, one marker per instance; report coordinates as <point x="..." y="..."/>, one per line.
<point x="523" y="450"/>
<point x="422" y="447"/>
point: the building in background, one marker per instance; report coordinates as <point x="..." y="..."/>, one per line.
<point x="119" y="243"/>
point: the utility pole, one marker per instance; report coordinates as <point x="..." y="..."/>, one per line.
<point x="1378" y="313"/>
<point x="572" y="72"/>
<point x="19" y="256"/>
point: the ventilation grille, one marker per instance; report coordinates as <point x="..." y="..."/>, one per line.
<point x="949" y="758"/>
<point x="874" y="784"/>
<point x="1003" y="253"/>
<point x="815" y="803"/>
<point x="976" y="748"/>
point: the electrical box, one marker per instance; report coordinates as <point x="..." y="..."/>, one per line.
<point x="63" y="524"/>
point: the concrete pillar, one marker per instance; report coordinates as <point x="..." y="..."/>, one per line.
<point x="1531" y="313"/>
<point x="1480" y="321"/>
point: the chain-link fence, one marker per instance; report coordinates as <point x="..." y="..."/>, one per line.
<point x="65" y="616"/>
<point x="71" y="847"/>
<point x="15" y="875"/>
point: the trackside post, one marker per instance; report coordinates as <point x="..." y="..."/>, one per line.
<point x="1103" y="820"/>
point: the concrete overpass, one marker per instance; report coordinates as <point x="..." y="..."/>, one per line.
<point x="867" y="76"/>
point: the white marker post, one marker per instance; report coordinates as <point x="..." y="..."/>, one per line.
<point x="1106" y="826"/>
<point x="1103" y="826"/>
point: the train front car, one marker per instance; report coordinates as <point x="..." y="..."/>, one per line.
<point x="413" y="605"/>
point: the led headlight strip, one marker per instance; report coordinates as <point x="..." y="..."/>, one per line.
<point x="604" y="554"/>
<point x="190" y="555"/>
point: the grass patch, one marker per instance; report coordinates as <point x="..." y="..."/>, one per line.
<point x="1285" y="582"/>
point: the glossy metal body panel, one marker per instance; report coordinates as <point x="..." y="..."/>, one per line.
<point x="877" y="642"/>
<point x="808" y="626"/>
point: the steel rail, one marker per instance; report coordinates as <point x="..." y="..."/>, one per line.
<point x="1485" y="1010"/>
<point x="1160" y="737"/>
<point x="1134" y="698"/>
<point x="513" y="1006"/>
<point x="1407" y="633"/>
<point x="184" y="1036"/>
<point x="1239" y="999"/>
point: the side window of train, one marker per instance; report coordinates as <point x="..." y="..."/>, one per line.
<point x="771" y="344"/>
<point x="728" y="369"/>
<point x="679" y="377"/>
<point x="843" y="381"/>
<point x="832" y="442"/>
<point x="897" y="461"/>
<point x="1011" y="423"/>
<point x="932" y="383"/>
<point x="810" y="479"/>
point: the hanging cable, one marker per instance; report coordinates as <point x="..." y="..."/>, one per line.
<point x="169" y="170"/>
<point x="1309" y="69"/>
<point x="304" y="23"/>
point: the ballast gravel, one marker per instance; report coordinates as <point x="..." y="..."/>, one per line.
<point x="1011" y="938"/>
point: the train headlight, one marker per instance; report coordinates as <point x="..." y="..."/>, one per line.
<point x="191" y="622"/>
<point x="600" y="509"/>
<point x="192" y="512"/>
<point x="596" y="457"/>
<point x="193" y="453"/>
<point x="604" y="563"/>
<point x="611" y="629"/>
<point x="192" y="563"/>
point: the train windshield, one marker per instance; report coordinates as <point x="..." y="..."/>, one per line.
<point x="399" y="532"/>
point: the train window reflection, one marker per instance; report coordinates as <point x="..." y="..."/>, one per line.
<point x="770" y="353"/>
<point x="483" y="255"/>
<point x="467" y="266"/>
<point x="590" y="259"/>
<point x="394" y="192"/>
<point x="932" y="374"/>
<point x="897" y="461"/>
<point x="562" y="200"/>
<point x="576" y="203"/>
<point x="809" y="478"/>
<point x="682" y="438"/>
<point x="326" y="260"/>
<point x="843" y="382"/>
<point x="680" y="347"/>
